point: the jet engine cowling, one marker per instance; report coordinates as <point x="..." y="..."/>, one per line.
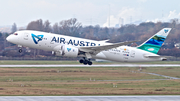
<point x="66" y="50"/>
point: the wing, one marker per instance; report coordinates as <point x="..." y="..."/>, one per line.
<point x="97" y="49"/>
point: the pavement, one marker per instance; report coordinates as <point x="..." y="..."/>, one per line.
<point x="99" y="65"/>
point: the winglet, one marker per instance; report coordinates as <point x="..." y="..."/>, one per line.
<point x="154" y="43"/>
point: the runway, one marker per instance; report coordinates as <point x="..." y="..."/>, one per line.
<point x="89" y="98"/>
<point x="99" y="65"/>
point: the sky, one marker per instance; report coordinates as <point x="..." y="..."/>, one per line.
<point x="88" y="12"/>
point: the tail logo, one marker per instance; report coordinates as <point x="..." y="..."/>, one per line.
<point x="37" y="38"/>
<point x="166" y="30"/>
<point x="154" y="43"/>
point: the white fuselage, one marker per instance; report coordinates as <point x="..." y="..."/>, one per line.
<point x="50" y="41"/>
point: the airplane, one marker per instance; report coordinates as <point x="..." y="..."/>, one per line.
<point x="68" y="46"/>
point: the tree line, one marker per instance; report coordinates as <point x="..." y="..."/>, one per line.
<point x="129" y="32"/>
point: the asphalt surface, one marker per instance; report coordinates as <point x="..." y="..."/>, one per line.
<point x="89" y="98"/>
<point x="108" y="65"/>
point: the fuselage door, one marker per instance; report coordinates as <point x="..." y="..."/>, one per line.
<point x="26" y="35"/>
<point x="53" y="40"/>
<point x="132" y="53"/>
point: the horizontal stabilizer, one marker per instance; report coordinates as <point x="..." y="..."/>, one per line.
<point x="152" y="56"/>
<point x="163" y="58"/>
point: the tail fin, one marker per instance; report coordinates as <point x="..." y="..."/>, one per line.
<point x="154" y="43"/>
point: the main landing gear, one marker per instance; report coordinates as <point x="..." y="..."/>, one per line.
<point x="85" y="61"/>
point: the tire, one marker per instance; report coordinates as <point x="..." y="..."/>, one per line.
<point x="85" y="62"/>
<point x="20" y="50"/>
<point x="89" y="63"/>
<point x="81" y="61"/>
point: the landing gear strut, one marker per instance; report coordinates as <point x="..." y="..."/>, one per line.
<point x="85" y="61"/>
<point x="20" y="49"/>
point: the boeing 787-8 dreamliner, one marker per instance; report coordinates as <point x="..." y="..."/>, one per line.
<point x="62" y="45"/>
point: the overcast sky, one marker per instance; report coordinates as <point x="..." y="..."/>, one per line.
<point x="88" y="12"/>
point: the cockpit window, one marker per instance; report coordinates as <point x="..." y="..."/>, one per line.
<point x="15" y="33"/>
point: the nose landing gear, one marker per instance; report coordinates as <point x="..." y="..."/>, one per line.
<point x="20" y="49"/>
<point x="85" y="61"/>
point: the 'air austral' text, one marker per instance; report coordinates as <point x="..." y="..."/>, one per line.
<point x="72" y="42"/>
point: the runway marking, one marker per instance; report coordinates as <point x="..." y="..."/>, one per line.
<point x="161" y="75"/>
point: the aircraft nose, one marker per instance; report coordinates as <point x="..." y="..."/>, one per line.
<point x="9" y="38"/>
<point x="12" y="39"/>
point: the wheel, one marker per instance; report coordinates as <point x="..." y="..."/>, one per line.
<point x="85" y="62"/>
<point x="20" y="50"/>
<point x="81" y="61"/>
<point x="89" y="63"/>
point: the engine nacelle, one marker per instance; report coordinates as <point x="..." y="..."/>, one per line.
<point x="66" y="50"/>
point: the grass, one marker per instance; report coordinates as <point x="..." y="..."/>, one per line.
<point x="169" y="71"/>
<point x="88" y="81"/>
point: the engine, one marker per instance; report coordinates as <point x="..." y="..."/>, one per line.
<point x="66" y="50"/>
